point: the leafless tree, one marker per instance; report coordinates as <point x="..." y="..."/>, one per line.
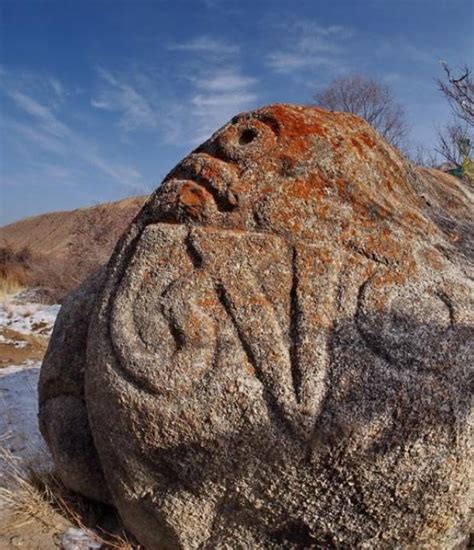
<point x="454" y="143"/>
<point x="459" y="91"/>
<point x="422" y="156"/>
<point x="369" y="99"/>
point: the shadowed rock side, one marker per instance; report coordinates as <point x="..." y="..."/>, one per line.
<point x="63" y="413"/>
<point x="280" y="353"/>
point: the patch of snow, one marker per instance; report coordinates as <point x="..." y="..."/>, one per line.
<point x="19" y="431"/>
<point x="28" y="318"/>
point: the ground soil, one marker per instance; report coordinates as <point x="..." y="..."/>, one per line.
<point x="17" y="348"/>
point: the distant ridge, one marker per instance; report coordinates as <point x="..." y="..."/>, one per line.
<point x="51" y="233"/>
<point x="65" y="247"/>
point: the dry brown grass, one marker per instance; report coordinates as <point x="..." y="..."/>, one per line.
<point x="63" y="248"/>
<point x="20" y="495"/>
<point x="23" y="269"/>
<point x="10" y="285"/>
<point x="32" y="495"/>
<point x="14" y="274"/>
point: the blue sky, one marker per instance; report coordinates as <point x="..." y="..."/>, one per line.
<point x="100" y="99"/>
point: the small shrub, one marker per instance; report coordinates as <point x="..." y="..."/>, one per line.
<point x="14" y="269"/>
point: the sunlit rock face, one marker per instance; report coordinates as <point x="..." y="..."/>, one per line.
<point x="279" y="354"/>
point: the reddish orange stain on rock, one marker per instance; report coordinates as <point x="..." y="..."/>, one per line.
<point x="193" y="198"/>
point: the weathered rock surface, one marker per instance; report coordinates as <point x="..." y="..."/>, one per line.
<point x="63" y="414"/>
<point x="280" y="353"/>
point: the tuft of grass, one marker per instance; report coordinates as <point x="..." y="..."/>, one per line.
<point x="10" y="284"/>
<point x="20" y="493"/>
<point x="14" y="270"/>
<point x="32" y="494"/>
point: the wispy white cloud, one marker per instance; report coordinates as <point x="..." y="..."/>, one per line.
<point x="44" y="128"/>
<point x="218" y="88"/>
<point x="45" y="174"/>
<point x="58" y="88"/>
<point x="57" y="172"/>
<point x="40" y="112"/>
<point x="38" y="136"/>
<point x="284" y="63"/>
<point x="227" y="80"/>
<point x="126" y="175"/>
<point x="309" y="45"/>
<point x="224" y="7"/>
<point x="136" y="111"/>
<point x="208" y="88"/>
<point x="222" y="100"/>
<point x="205" y="44"/>
<point x="215" y="96"/>
<point x="141" y="99"/>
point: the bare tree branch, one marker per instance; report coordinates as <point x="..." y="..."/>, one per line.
<point x="421" y="156"/>
<point x="454" y="144"/>
<point x="459" y="91"/>
<point x="369" y="99"/>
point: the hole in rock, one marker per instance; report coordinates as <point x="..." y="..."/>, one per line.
<point x="296" y="533"/>
<point x="247" y="136"/>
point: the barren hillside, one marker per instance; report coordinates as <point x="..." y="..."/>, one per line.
<point x="57" y="250"/>
<point x="51" y="234"/>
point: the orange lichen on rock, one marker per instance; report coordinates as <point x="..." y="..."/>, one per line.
<point x="193" y="199"/>
<point x="367" y="139"/>
<point x="309" y="188"/>
<point x="356" y="143"/>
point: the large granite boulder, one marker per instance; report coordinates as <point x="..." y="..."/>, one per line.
<point x="280" y="352"/>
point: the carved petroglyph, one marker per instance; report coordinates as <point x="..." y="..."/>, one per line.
<point x="181" y="337"/>
<point x="390" y="318"/>
<point x="283" y="335"/>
